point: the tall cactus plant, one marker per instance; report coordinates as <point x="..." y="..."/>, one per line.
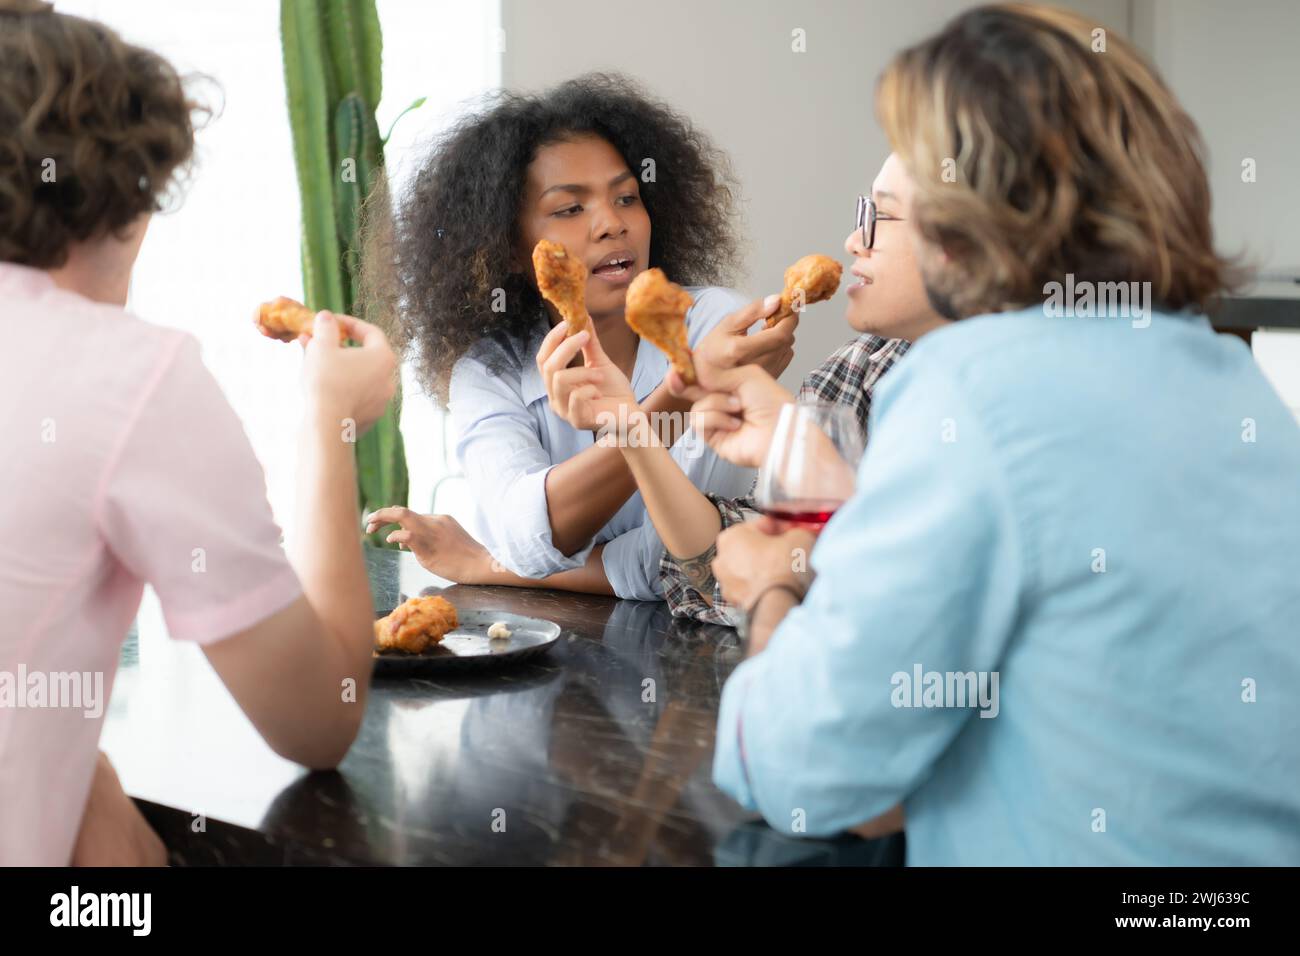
<point x="332" y="51"/>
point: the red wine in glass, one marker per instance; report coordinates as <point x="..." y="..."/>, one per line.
<point x="810" y="468"/>
<point x="811" y="514"/>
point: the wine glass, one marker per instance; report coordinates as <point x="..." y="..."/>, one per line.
<point x="811" y="466"/>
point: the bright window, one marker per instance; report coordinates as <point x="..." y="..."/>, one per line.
<point x="233" y="241"/>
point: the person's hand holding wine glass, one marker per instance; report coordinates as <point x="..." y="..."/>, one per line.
<point x="808" y="451"/>
<point x="809" y="454"/>
<point x="756" y="556"/>
<point x="808" y="472"/>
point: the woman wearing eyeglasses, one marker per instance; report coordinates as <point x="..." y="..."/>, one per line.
<point x="1042" y="628"/>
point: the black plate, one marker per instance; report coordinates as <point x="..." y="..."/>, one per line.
<point x="469" y="648"/>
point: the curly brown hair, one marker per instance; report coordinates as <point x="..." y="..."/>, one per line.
<point x="456" y="232"/>
<point x="96" y="132"/>
<point x="1043" y="145"/>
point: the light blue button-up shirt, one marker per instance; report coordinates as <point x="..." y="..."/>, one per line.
<point x="1104" y="517"/>
<point x="507" y="439"/>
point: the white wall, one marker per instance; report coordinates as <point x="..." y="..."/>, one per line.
<point x="1236" y="69"/>
<point x="800" y="127"/>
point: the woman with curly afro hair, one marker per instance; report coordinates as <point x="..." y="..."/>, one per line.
<point x="625" y="184"/>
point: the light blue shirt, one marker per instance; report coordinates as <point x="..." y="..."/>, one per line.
<point x="507" y="439"/>
<point x="1108" y="518"/>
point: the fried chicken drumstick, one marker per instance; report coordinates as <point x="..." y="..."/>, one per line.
<point x="656" y="311"/>
<point x="415" y="625"/>
<point x="816" y="276"/>
<point x="562" y="281"/>
<point x="286" y="319"/>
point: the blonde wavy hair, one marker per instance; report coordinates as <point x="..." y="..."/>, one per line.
<point x="1042" y="147"/>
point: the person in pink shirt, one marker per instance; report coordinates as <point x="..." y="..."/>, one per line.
<point x="124" y="465"/>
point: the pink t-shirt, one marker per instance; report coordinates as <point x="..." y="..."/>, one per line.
<point x="122" y="464"/>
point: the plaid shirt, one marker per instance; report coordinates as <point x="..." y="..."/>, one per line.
<point x="847" y="377"/>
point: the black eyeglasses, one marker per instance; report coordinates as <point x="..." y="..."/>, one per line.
<point x="866" y="218"/>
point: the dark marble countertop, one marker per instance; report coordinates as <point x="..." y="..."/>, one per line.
<point x="597" y="753"/>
